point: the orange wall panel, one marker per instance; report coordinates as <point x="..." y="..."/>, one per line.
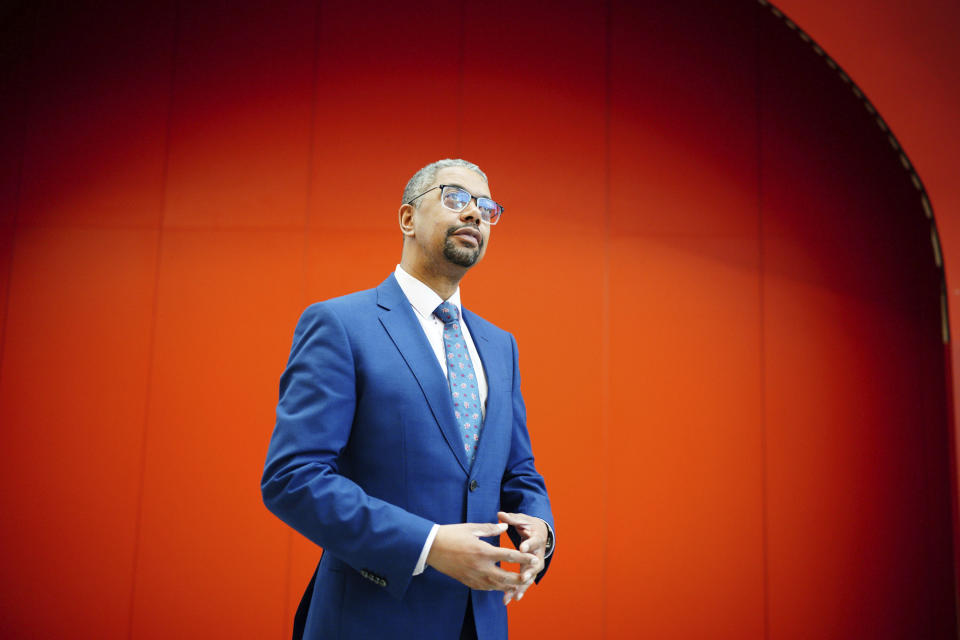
<point x="387" y="90"/>
<point x="846" y="514"/>
<point x="683" y="110"/>
<point x="98" y="93"/>
<point x="686" y="439"/>
<point x="554" y="95"/>
<point x="240" y="123"/>
<point x="208" y="549"/>
<point x="72" y="397"/>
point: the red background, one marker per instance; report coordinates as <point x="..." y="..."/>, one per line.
<point x="754" y="437"/>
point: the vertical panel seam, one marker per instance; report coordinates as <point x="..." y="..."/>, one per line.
<point x="152" y="334"/>
<point x="605" y="325"/>
<point x="304" y="262"/>
<point x="461" y="80"/>
<point x="762" y="354"/>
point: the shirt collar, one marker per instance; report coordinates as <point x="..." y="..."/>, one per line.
<point x="423" y="299"/>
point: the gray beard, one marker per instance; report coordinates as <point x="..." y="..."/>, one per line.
<point x="463" y="256"/>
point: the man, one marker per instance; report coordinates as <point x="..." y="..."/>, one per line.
<point x="401" y="440"/>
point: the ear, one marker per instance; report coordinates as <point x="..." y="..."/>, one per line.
<point x="406" y="214"/>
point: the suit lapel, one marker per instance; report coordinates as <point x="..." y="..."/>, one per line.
<point x="405" y="331"/>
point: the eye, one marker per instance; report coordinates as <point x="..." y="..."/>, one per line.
<point x="487" y="206"/>
<point x="455" y="199"/>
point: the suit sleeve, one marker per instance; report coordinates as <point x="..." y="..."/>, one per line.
<point x="523" y="489"/>
<point x="302" y="482"/>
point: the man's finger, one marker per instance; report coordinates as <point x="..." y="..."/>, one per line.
<point x="497" y="579"/>
<point x="531" y="573"/>
<point x="515" y="519"/>
<point x="532" y="544"/>
<point x="487" y="529"/>
<point x="505" y="554"/>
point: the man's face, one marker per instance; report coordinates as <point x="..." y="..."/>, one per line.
<point x="461" y="237"/>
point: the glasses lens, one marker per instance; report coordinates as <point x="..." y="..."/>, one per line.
<point x="489" y="209"/>
<point x="455" y="198"/>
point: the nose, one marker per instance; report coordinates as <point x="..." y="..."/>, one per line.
<point x="471" y="212"/>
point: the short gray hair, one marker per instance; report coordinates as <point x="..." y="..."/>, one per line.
<point x="423" y="179"/>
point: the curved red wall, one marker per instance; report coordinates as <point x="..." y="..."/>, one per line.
<point x="754" y="438"/>
<point x="906" y="57"/>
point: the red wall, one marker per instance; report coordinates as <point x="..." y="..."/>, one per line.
<point x="906" y="57"/>
<point x="754" y="440"/>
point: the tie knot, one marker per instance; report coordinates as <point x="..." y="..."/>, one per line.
<point x="447" y="312"/>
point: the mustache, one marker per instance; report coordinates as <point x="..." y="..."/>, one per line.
<point x="453" y="230"/>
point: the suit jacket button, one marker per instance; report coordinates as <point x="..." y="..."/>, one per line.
<point x="473" y="485"/>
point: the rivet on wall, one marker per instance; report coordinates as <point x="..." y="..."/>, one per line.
<point x="944" y="318"/>
<point x="935" y="241"/>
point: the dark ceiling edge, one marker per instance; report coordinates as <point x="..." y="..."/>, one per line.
<point x="896" y="147"/>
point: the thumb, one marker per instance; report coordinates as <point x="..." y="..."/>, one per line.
<point x="486" y="529"/>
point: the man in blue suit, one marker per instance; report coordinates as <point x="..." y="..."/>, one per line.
<point x="401" y="444"/>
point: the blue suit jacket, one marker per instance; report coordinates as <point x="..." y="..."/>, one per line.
<point x="366" y="455"/>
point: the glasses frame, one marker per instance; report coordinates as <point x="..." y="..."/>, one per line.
<point x="493" y="219"/>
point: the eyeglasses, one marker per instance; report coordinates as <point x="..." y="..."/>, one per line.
<point x="457" y="199"/>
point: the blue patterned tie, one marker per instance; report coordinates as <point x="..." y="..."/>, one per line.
<point x="462" y="379"/>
